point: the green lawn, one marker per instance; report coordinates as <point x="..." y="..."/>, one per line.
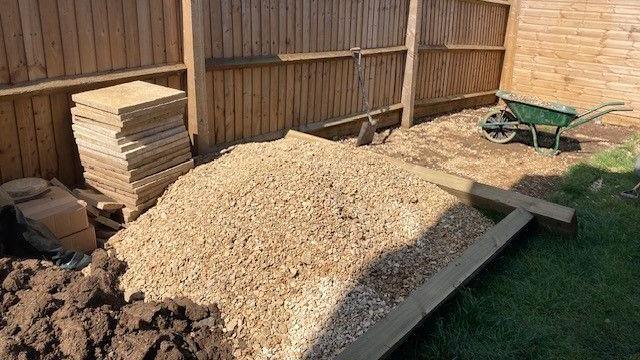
<point x="551" y="297"/>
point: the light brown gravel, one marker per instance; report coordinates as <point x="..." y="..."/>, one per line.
<point x="302" y="246"/>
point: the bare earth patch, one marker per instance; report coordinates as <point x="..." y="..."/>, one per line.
<point x="302" y="246"/>
<point x="453" y="143"/>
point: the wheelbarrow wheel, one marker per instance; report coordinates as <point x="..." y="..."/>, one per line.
<point x="498" y="126"/>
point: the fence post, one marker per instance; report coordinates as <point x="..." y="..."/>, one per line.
<point x="193" y="31"/>
<point x="410" y="70"/>
<point x="510" y="45"/>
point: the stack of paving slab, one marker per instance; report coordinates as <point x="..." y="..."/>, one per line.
<point x="132" y="142"/>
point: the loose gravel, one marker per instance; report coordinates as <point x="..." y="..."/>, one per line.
<point x="302" y="246"/>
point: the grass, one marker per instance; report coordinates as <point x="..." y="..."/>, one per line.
<point x="551" y="297"/>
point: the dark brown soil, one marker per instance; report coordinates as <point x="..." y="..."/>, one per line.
<point x="50" y="313"/>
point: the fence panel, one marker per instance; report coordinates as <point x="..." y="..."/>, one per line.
<point x="461" y="50"/>
<point x="66" y="39"/>
<point x="270" y="65"/>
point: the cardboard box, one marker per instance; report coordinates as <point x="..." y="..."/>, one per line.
<point x="57" y="210"/>
<point x="84" y="241"/>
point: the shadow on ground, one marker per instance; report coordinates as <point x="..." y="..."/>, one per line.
<point x="547" y="296"/>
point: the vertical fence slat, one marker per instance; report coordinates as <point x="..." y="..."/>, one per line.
<point x="196" y="86"/>
<point x="412" y="41"/>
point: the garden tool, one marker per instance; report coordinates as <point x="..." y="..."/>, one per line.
<point x="368" y="129"/>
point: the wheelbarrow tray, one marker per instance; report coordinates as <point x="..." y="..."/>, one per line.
<point x="539" y="114"/>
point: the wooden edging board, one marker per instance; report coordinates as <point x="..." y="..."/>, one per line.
<point x="552" y="216"/>
<point x="385" y="335"/>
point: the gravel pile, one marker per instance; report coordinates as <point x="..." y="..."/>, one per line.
<point x="302" y="246"/>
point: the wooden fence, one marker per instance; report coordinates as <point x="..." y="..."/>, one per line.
<point x="251" y="68"/>
<point x="580" y="52"/>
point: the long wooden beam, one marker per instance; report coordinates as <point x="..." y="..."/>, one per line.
<point x="497" y="2"/>
<point x="412" y="41"/>
<point x="444" y="99"/>
<point x="461" y="47"/>
<point x="193" y="35"/>
<point x="319" y="126"/>
<point x="510" y="40"/>
<point x="385" y="335"/>
<point x="81" y="82"/>
<point x="552" y="216"/>
<point x="255" y="61"/>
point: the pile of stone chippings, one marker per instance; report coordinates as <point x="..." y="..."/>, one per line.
<point x="302" y="246"/>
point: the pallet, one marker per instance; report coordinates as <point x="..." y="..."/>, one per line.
<point x="523" y="212"/>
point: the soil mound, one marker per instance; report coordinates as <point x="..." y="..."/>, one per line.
<point x="50" y="313"/>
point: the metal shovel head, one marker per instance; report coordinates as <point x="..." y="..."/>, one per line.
<point x="367" y="131"/>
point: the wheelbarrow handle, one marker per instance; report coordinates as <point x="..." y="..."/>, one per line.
<point x="603" y="105"/>
<point x="592" y="115"/>
<point x="613" y="103"/>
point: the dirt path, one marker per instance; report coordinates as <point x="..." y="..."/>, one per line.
<point x="453" y="143"/>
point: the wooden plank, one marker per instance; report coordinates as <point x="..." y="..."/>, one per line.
<point x="65" y="145"/>
<point x="82" y="82"/>
<point x="97" y="200"/>
<point x="198" y="120"/>
<point x="265" y="45"/>
<point x="51" y="38"/>
<point x="32" y="33"/>
<point x="385" y="335"/>
<point x="45" y="137"/>
<point x="131" y="33"/>
<point x="277" y="59"/>
<point x="12" y="31"/>
<point x="555" y="217"/>
<point x="116" y="35"/>
<point x="444" y="99"/>
<point x="319" y="126"/>
<point x="27" y="137"/>
<point x="17" y="66"/>
<point x="497" y="2"/>
<point x="510" y="46"/>
<point x="460" y="47"/>
<point x="236" y="23"/>
<point x="70" y="46"/>
<point x="144" y="32"/>
<point x="36" y="64"/>
<point x="101" y="33"/>
<point x="156" y="10"/>
<point x="410" y="70"/>
<point x="9" y="144"/>
<point x="86" y="41"/>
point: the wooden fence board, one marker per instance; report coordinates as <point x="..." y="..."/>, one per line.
<point x="270" y="65"/>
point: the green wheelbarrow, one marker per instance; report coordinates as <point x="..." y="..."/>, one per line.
<point x="500" y="125"/>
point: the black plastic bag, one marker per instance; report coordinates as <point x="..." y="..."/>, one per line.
<point x="23" y="237"/>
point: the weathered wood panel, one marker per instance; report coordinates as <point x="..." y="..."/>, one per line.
<point x="271" y="65"/>
<point x="264" y="51"/>
<point x="580" y="52"/>
<point x="462" y="48"/>
<point x="47" y="39"/>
